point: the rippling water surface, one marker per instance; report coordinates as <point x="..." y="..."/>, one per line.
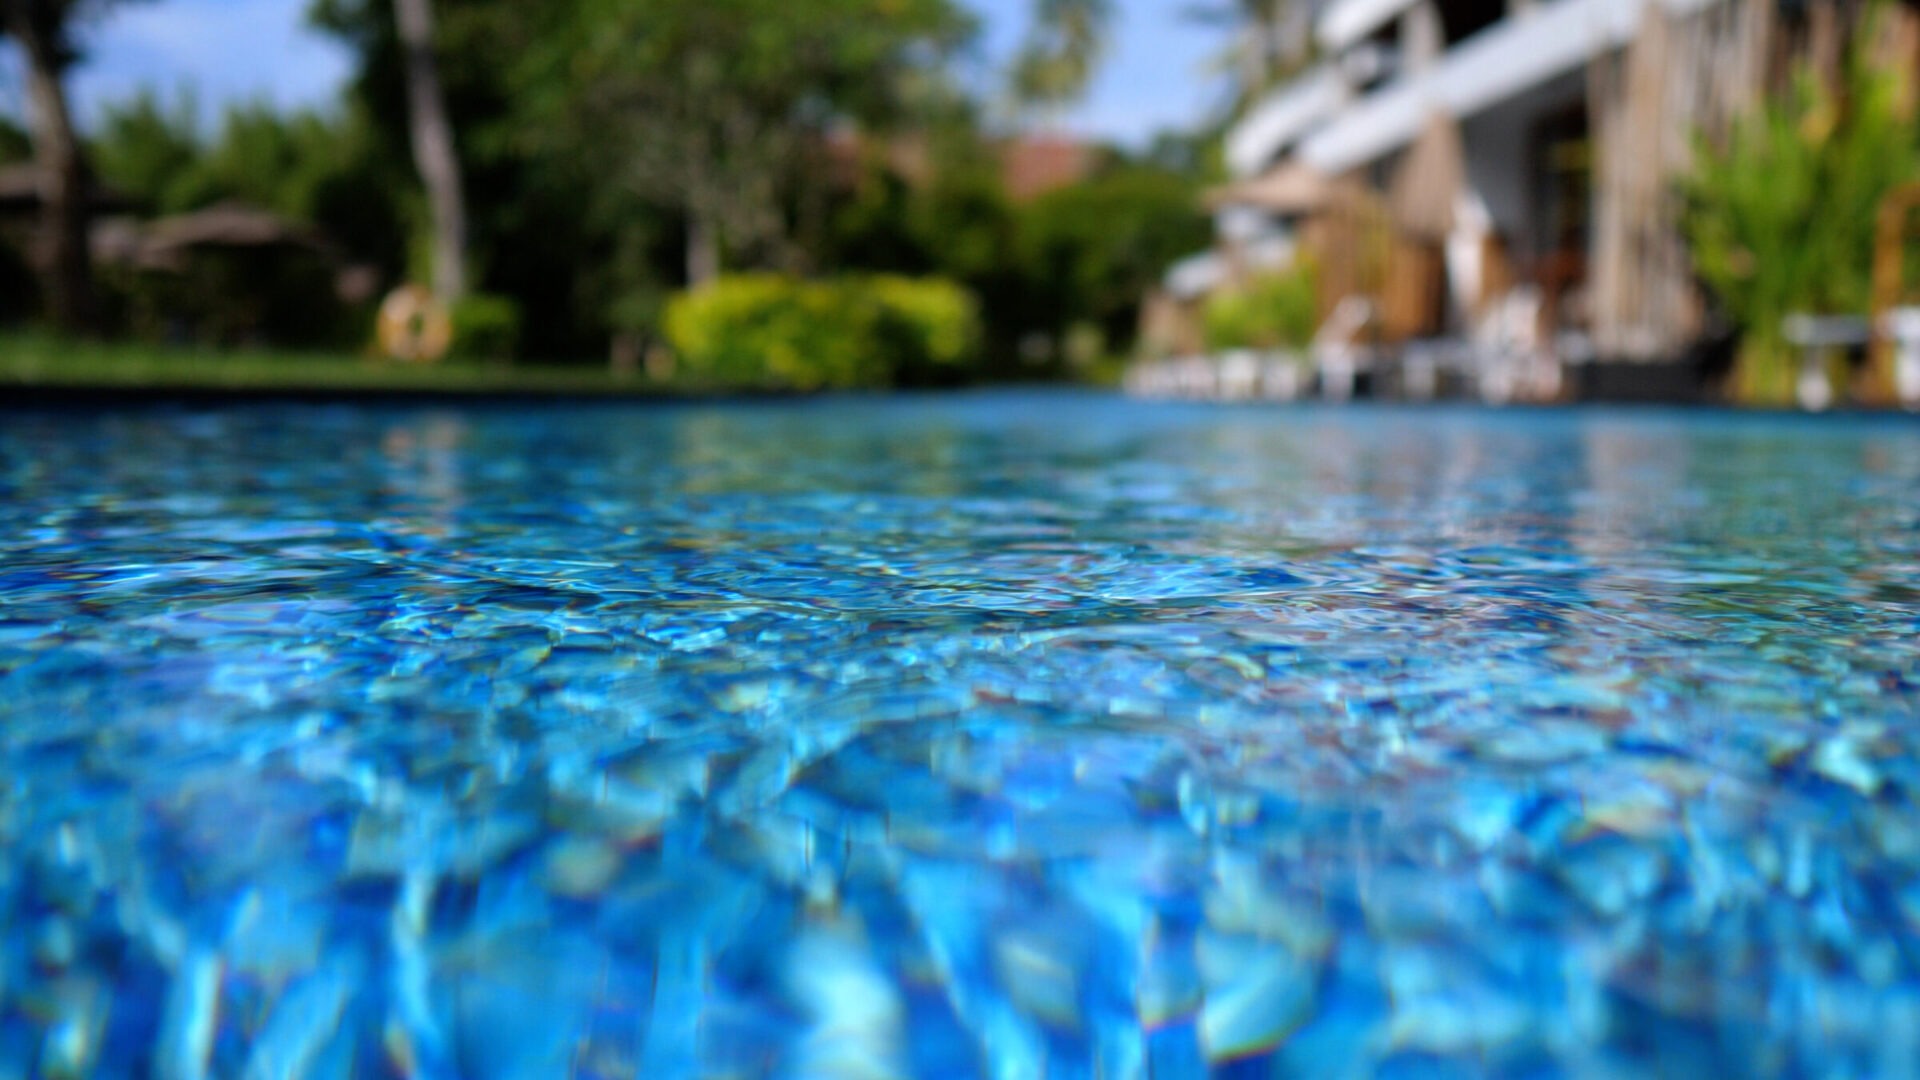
<point x="1003" y="735"/>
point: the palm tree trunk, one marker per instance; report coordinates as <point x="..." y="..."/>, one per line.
<point x="433" y="149"/>
<point x="65" y="266"/>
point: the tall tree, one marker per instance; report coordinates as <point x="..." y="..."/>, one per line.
<point x="537" y="210"/>
<point x="44" y="31"/>
<point x="434" y="152"/>
<point x="713" y="109"/>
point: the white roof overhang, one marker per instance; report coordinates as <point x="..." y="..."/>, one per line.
<point x="1494" y="65"/>
<point x="1283" y="117"/>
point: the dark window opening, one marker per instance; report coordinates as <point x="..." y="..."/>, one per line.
<point x="1461" y="19"/>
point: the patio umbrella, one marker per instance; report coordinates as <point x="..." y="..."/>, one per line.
<point x="1291" y="187"/>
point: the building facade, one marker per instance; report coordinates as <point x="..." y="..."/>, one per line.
<point x="1506" y="167"/>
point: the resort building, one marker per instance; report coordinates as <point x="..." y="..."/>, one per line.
<point x="1500" y="174"/>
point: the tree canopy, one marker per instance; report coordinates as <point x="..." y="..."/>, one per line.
<point x="612" y="152"/>
<point x="717" y="109"/>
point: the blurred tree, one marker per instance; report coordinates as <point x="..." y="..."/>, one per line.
<point x="404" y="85"/>
<point x="1196" y="155"/>
<point x="44" y="31"/>
<point x="1056" y="62"/>
<point x="1093" y="250"/>
<point x="272" y="161"/>
<point x="719" y="110"/>
<point x="614" y="149"/>
<point x="539" y="229"/>
<point x="957" y="223"/>
<point x="1078" y="258"/>
<point x="434" y="153"/>
<point x="319" y="169"/>
<point x="147" y="150"/>
<point x="310" y="168"/>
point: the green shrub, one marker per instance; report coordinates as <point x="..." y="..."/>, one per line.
<point x="1090" y="251"/>
<point x="927" y="329"/>
<point x="764" y="331"/>
<point x="485" y="328"/>
<point x="1780" y="216"/>
<point x="1269" y="311"/>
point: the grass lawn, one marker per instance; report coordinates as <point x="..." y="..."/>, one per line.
<point x="44" y="362"/>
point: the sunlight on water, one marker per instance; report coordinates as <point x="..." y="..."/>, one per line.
<point x="1007" y="735"/>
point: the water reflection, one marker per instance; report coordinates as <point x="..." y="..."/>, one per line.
<point x="1008" y="734"/>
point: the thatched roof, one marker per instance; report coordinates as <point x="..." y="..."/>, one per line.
<point x="165" y="244"/>
<point x="228" y="225"/>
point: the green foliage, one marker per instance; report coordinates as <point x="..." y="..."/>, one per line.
<point x="1269" y="311"/>
<point x="1092" y="251"/>
<point x="1057" y="60"/>
<point x="317" y="169"/>
<point x="150" y="151"/>
<point x="282" y="163"/>
<point x="925" y="328"/>
<point x="766" y="331"/>
<point x="486" y="327"/>
<point x="710" y="108"/>
<point x="307" y="167"/>
<point x="958" y="225"/>
<point x="543" y="226"/>
<point x="965" y="225"/>
<point x="1780" y="217"/>
<point x="37" y="359"/>
<point x="594" y="132"/>
<point x="1079" y="257"/>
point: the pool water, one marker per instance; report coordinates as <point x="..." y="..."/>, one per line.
<point x="1007" y="735"/>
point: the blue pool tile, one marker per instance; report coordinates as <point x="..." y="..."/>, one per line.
<point x="1004" y="735"/>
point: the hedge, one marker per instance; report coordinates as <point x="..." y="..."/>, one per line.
<point x="1270" y="310"/>
<point x="771" y="332"/>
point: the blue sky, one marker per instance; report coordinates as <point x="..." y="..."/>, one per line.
<point x="225" y="49"/>
<point x="1154" y="77"/>
<point x="231" y="50"/>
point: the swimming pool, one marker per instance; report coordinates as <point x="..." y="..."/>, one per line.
<point x="1008" y="734"/>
